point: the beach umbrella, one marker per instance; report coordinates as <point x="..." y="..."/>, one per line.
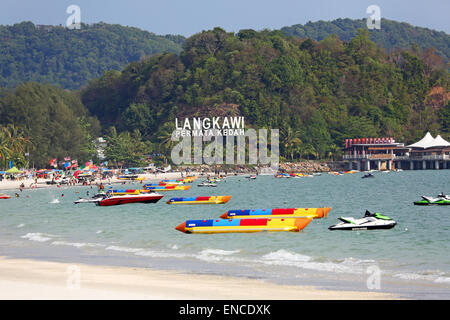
<point x="13" y="170"/>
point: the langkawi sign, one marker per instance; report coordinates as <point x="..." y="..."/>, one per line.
<point x="223" y="140"/>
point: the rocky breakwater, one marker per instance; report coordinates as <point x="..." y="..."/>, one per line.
<point x="312" y="166"/>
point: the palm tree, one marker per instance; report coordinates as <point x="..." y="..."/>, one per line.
<point x="13" y="144"/>
<point x="334" y="152"/>
<point x="309" y="150"/>
<point x="5" y="151"/>
<point x="290" y="140"/>
<point x="165" y="139"/>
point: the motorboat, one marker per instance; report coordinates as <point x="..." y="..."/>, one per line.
<point x="114" y="200"/>
<point x="442" y="200"/>
<point x="370" y="221"/>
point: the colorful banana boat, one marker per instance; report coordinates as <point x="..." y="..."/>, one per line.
<point x="163" y="184"/>
<point x="200" y="200"/>
<point x="314" y="213"/>
<point x="125" y="191"/>
<point x="242" y="225"/>
<point x="183" y="180"/>
<point x="167" y="188"/>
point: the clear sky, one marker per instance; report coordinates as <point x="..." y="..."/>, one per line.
<point x="187" y="17"/>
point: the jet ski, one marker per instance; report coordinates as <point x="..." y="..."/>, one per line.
<point x="441" y="200"/>
<point x="369" y="175"/>
<point x="94" y="199"/>
<point x="370" y="221"/>
<point x="206" y="184"/>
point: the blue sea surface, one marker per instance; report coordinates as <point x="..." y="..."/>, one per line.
<point x="411" y="260"/>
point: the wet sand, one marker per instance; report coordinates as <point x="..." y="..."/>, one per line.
<point x="31" y="279"/>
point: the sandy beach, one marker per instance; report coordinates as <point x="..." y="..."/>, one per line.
<point x="14" y="185"/>
<point x="30" y="279"/>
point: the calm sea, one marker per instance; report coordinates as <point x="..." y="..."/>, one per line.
<point x="412" y="259"/>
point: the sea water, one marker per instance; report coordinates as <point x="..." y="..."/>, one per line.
<point x="411" y="260"/>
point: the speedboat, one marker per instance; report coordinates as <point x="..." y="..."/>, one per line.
<point x="440" y="200"/>
<point x="95" y="198"/>
<point x="370" y="221"/>
<point x="114" y="200"/>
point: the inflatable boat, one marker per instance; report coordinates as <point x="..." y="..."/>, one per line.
<point x="200" y="200"/>
<point x="125" y="191"/>
<point x="167" y="188"/>
<point x="314" y="213"/>
<point x="242" y="225"/>
<point x="163" y="184"/>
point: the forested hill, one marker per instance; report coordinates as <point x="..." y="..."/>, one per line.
<point x="316" y="93"/>
<point x="392" y="34"/>
<point x="69" y="58"/>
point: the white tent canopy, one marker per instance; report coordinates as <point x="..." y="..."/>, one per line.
<point x="428" y="142"/>
<point x="440" y="142"/>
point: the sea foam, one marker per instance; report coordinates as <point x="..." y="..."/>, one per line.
<point x="291" y="259"/>
<point x="37" y="236"/>
<point x="76" y="244"/>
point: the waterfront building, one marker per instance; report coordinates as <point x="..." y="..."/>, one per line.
<point x="387" y="154"/>
<point x="429" y="153"/>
